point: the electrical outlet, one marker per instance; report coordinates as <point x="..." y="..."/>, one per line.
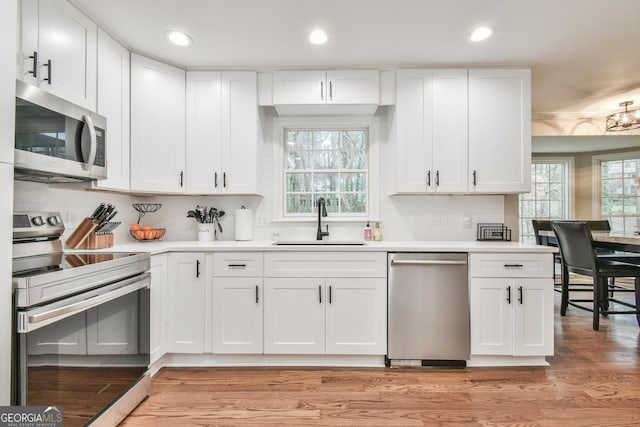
<point x="261" y="221"/>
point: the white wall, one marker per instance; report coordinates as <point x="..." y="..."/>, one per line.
<point x="8" y="23"/>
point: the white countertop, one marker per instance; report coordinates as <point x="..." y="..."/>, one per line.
<point x="158" y="247"/>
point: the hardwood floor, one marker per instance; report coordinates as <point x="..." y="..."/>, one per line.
<point x="593" y="380"/>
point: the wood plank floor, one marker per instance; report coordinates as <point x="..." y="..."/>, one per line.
<point x="593" y="380"/>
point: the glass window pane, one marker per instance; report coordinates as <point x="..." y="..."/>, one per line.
<point x="299" y="203"/>
<point x="556" y="172"/>
<point x="326" y="140"/>
<point x="299" y="160"/>
<point x="297" y="182"/>
<point x="353" y="181"/>
<point x="325" y="182"/>
<point x="326" y="159"/>
<point x="299" y="140"/>
<point x="353" y="140"/>
<point x="354" y="203"/>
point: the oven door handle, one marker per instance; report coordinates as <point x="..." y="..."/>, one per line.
<point x="37" y="320"/>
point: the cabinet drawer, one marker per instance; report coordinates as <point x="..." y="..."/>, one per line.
<point x="324" y="264"/>
<point x="237" y="264"/>
<point x="511" y="265"/>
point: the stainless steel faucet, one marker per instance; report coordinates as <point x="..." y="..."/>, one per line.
<point x="322" y="211"/>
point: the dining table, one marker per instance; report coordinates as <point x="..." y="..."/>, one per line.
<point x="624" y="242"/>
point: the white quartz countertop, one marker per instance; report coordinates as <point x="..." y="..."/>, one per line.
<point x="158" y="247"/>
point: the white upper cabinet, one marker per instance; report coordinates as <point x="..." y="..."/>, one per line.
<point x="157" y="126"/>
<point x="57" y="50"/>
<point x="222" y="135"/>
<point x="358" y="91"/>
<point x="113" y="103"/>
<point x="500" y="131"/>
<point x="431" y="120"/>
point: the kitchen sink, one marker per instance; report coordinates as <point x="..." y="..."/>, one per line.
<point x="319" y="243"/>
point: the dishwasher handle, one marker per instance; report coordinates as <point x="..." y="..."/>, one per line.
<point x="425" y="262"/>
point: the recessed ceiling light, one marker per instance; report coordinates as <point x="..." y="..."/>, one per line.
<point x="481" y="33"/>
<point x="318" y="37"/>
<point x="179" y="38"/>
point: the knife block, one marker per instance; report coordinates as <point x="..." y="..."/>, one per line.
<point x="80" y="234"/>
<point x="97" y="241"/>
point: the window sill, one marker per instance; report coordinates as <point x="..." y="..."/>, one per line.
<point x="325" y="219"/>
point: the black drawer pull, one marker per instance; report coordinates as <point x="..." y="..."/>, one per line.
<point x="48" y="65"/>
<point x="513" y="266"/>
<point x="257" y="295"/>
<point x="197" y="268"/>
<point x="509" y="294"/>
<point x="237" y="265"/>
<point x="520" y="297"/>
<point x="34" y="71"/>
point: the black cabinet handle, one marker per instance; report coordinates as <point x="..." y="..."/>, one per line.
<point x="320" y="293"/>
<point x="330" y="297"/>
<point x="437" y="178"/>
<point x="237" y="265"/>
<point x="509" y="294"/>
<point x="48" y="65"/>
<point x="513" y="265"/>
<point x="330" y="91"/>
<point x="257" y="295"/>
<point x="198" y="268"/>
<point x="321" y="91"/>
<point x="34" y="70"/>
<point x="475" y="176"/>
<point x="181" y="178"/>
<point x="520" y="298"/>
<point x="215" y="179"/>
<point x="224" y="179"/>
<point x="428" y="178"/>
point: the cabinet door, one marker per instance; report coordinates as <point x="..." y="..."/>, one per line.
<point x="158" y="312"/>
<point x="68" y="39"/>
<point x="237" y="315"/>
<point x="353" y="87"/>
<point x="449" y="131"/>
<point x="356" y="321"/>
<point x="294" y="316"/>
<point x="157" y="126"/>
<point x="491" y="304"/>
<point x="299" y="87"/>
<point x="113" y="103"/>
<point x="204" y="132"/>
<point x="27" y="42"/>
<point x="533" y="317"/>
<point x="112" y="328"/>
<point x="185" y="303"/>
<point x="499" y="131"/>
<point x="414" y="115"/>
<point x="239" y="132"/>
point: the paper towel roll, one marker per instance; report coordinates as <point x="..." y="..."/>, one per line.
<point x="244" y="224"/>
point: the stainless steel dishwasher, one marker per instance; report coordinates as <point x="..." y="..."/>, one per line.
<point x="428" y="309"/>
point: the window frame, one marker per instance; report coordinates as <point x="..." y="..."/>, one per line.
<point x="596" y="163"/>
<point x="370" y="124"/>
<point x="570" y="199"/>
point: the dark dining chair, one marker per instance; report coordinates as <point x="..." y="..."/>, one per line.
<point x="579" y="256"/>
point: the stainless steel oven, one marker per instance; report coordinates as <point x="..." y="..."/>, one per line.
<point x="81" y="325"/>
<point x="55" y="140"/>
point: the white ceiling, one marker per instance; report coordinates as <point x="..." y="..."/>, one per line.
<point x="584" y="54"/>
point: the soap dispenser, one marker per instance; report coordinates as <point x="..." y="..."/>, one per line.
<point x="368" y="233"/>
<point x="377" y="232"/>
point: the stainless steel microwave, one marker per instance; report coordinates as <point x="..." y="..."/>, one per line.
<point x="56" y="140"/>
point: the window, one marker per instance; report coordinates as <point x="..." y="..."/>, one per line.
<point x="329" y="163"/>
<point x="549" y="196"/>
<point x="619" y="199"/>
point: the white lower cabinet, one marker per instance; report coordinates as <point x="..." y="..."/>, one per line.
<point x="159" y="324"/>
<point x="511" y="314"/>
<point x="237" y="303"/>
<point x="185" y="303"/>
<point x="335" y="303"/>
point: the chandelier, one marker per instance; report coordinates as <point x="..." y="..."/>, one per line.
<point x="624" y="120"/>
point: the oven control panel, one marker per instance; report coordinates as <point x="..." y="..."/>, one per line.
<point x="37" y="225"/>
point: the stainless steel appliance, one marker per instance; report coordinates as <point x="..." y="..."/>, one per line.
<point x="55" y="140"/>
<point x="81" y="325"/>
<point x="428" y="321"/>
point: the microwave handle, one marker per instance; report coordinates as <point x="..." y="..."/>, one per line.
<point x="94" y="143"/>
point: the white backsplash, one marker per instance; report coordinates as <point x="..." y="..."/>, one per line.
<point x="402" y="217"/>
